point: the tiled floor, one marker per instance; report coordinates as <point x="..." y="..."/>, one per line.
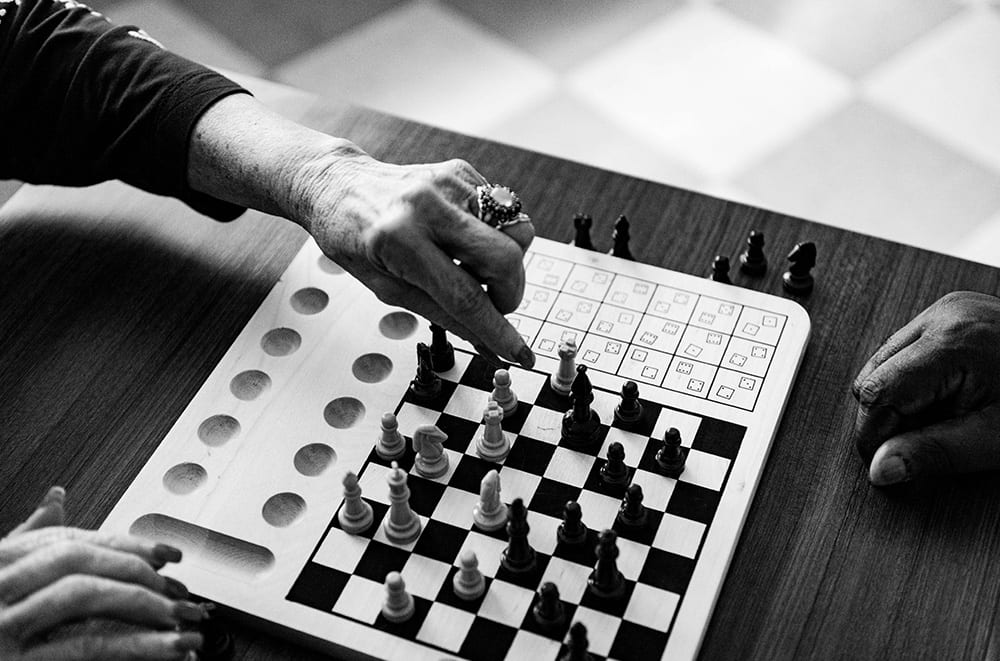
<point x="875" y="115"/>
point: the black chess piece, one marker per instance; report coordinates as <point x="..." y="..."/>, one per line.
<point x="629" y="410"/>
<point x="427" y="384"/>
<point x="581" y="424"/>
<point x="582" y="224"/>
<point x="753" y="261"/>
<point x="576" y="644"/>
<point x="442" y="353"/>
<point x="720" y="269"/>
<point x="671" y="456"/>
<point x="218" y="640"/>
<point x="620" y="237"/>
<point x="571" y="530"/>
<point x="548" y="610"/>
<point x="797" y="280"/>
<point x="632" y="512"/>
<point x="518" y="556"/>
<point x="606" y="581"/>
<point x="614" y="472"/>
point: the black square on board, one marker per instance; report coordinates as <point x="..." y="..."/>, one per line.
<point x="479" y="374"/>
<point x="529" y="579"/>
<point x="425" y="494"/>
<point x="583" y="553"/>
<point x="318" y="586"/>
<point x="378" y="513"/>
<point x="436" y="403"/>
<point x="667" y="571"/>
<point x="529" y="455"/>
<point x="693" y="502"/>
<point x="648" y="460"/>
<point x="646" y="422"/>
<point x="446" y="595"/>
<point x="591" y="447"/>
<point x="595" y="483"/>
<point x="513" y="422"/>
<point x="379" y="559"/>
<point x="719" y="437"/>
<point x="612" y="606"/>
<point x="634" y="641"/>
<point x="470" y="472"/>
<point x="460" y="431"/>
<point x="643" y="534"/>
<point x="487" y="640"/>
<point x="551" y="497"/>
<point x="550" y="399"/>
<point x="555" y="632"/>
<point x="440" y="541"/>
<point x="405" y="460"/>
<point x="410" y="627"/>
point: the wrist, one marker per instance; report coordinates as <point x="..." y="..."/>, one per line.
<point x="322" y="178"/>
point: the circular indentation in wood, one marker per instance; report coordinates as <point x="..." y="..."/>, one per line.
<point x="371" y="367"/>
<point x="329" y="266"/>
<point x="283" y="509"/>
<point x="313" y="459"/>
<point x="184" y="478"/>
<point x="218" y="430"/>
<point x="250" y="384"/>
<point x="344" y="412"/>
<point x="397" y="325"/>
<point x="309" y="300"/>
<point x="280" y="342"/>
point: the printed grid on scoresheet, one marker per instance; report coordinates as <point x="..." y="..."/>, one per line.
<point x="346" y="572"/>
<point x="647" y="331"/>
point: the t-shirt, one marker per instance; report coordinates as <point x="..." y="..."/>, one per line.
<point x="83" y="101"/>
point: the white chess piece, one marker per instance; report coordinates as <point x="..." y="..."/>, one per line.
<point x="490" y="513"/>
<point x="401" y="526"/>
<point x="398" y="605"/>
<point x="390" y="443"/>
<point x="428" y="443"/>
<point x="355" y="515"/>
<point x="502" y="393"/>
<point x="493" y="444"/>
<point x="468" y="582"/>
<point x="562" y="380"/>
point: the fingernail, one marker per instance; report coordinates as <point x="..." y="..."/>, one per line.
<point x="185" y="611"/>
<point x="54" y="495"/>
<point x="890" y="470"/>
<point x="166" y="553"/>
<point x="175" y="589"/>
<point x="188" y="641"/>
<point x="526" y="357"/>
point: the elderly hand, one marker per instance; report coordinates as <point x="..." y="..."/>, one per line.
<point x="51" y="575"/>
<point x="929" y="399"/>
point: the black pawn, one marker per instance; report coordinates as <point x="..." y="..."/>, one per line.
<point x="548" y="611"/>
<point x="629" y="410"/>
<point x="581" y="424"/>
<point x="671" y="456"/>
<point x="427" y="384"/>
<point x="614" y="472"/>
<point x="632" y="512"/>
<point x="606" y="581"/>
<point x="571" y="530"/>
<point x="218" y="641"/>
<point x="720" y="269"/>
<point x="442" y="353"/>
<point x="619" y="238"/>
<point x="518" y="556"/>
<point x="797" y="279"/>
<point x="582" y="224"/>
<point x="753" y="261"/>
<point x="577" y="644"/>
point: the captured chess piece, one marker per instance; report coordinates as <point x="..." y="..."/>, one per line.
<point x="355" y="515"/>
<point x="562" y="381"/>
<point x="620" y="237"/>
<point x="390" y="444"/>
<point x="427" y="384"/>
<point x="606" y="581"/>
<point x="720" y="269"/>
<point x="571" y="530"/>
<point x="398" y="605"/>
<point x="798" y="280"/>
<point x="468" y="582"/>
<point x="493" y="444"/>
<point x="581" y="424"/>
<point x="576" y="644"/>
<point x="218" y="640"/>
<point x="489" y="513"/>
<point x="614" y="472"/>
<point x="753" y="261"/>
<point x="428" y="443"/>
<point x="632" y="512"/>
<point x="629" y="410"/>
<point x="548" y="610"/>
<point x="401" y="526"/>
<point x="582" y="224"/>
<point x="671" y="456"/>
<point x="518" y="556"/>
<point x="502" y="393"/>
<point x="442" y="353"/>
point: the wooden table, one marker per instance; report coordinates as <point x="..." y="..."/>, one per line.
<point x="115" y="306"/>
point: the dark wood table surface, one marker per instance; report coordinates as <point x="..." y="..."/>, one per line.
<point x="115" y="306"/>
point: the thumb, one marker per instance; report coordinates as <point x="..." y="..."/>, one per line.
<point x="961" y="445"/>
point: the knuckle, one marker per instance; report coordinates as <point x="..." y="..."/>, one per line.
<point x="419" y="194"/>
<point x="932" y="456"/>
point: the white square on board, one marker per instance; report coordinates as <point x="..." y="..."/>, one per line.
<point x="341" y="550"/>
<point x="506" y="603"/>
<point x="651" y="607"/>
<point x="543" y="424"/>
<point x="411" y="416"/>
<point x="571" y="577"/>
<point x="467" y="403"/>
<point x="488" y="551"/>
<point x="656" y="489"/>
<point x="529" y="646"/>
<point x="634" y="445"/>
<point x="704" y="469"/>
<point x="599" y="511"/>
<point x="516" y="483"/>
<point x="373" y="483"/>
<point x="361" y="599"/>
<point x="445" y="626"/>
<point x="455" y="507"/>
<point x="542" y="532"/>
<point x="569" y="466"/>
<point x="679" y="535"/>
<point x="601" y="629"/>
<point x="631" y="558"/>
<point x="685" y="423"/>
<point x="424" y="576"/>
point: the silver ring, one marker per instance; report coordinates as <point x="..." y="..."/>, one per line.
<point x="499" y="206"/>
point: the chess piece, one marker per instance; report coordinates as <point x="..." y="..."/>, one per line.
<point x="614" y="472"/>
<point x="468" y="582"/>
<point x="489" y="513"/>
<point x="582" y="224"/>
<point x="606" y="581"/>
<point x="753" y="261"/>
<point x="355" y="515"/>
<point x="562" y="381"/>
<point x="431" y="460"/>
<point x="390" y="444"/>
<point x="217" y="639"/>
<point x="581" y="424"/>
<point x="797" y="280"/>
<point x="518" y="556"/>
<point x="427" y="384"/>
<point x="442" y="353"/>
<point x="401" y="526"/>
<point x="576" y="644"/>
<point x="548" y="610"/>
<point x="619" y="238"/>
<point x="493" y="444"/>
<point x="720" y="269"/>
<point x="502" y="394"/>
<point x="632" y="512"/>
<point x="671" y="456"/>
<point x="629" y="410"/>
<point x="398" y="605"/>
<point x="571" y="530"/>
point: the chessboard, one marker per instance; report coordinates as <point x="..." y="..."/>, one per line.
<point x="248" y="482"/>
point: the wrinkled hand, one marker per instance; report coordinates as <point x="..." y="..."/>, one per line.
<point x="929" y="399"/>
<point x="399" y="228"/>
<point x="51" y="575"/>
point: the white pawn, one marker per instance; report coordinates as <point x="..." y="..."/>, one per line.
<point x="402" y="526"/>
<point x="355" y="516"/>
<point x="390" y="444"/>
<point x="428" y="443"/>
<point x="490" y="513"/>
<point x="468" y="582"/>
<point x="562" y="380"/>
<point x="502" y="394"/>
<point x="493" y="445"/>
<point x="398" y="605"/>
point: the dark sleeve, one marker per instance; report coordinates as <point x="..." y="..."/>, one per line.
<point x="83" y="101"/>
